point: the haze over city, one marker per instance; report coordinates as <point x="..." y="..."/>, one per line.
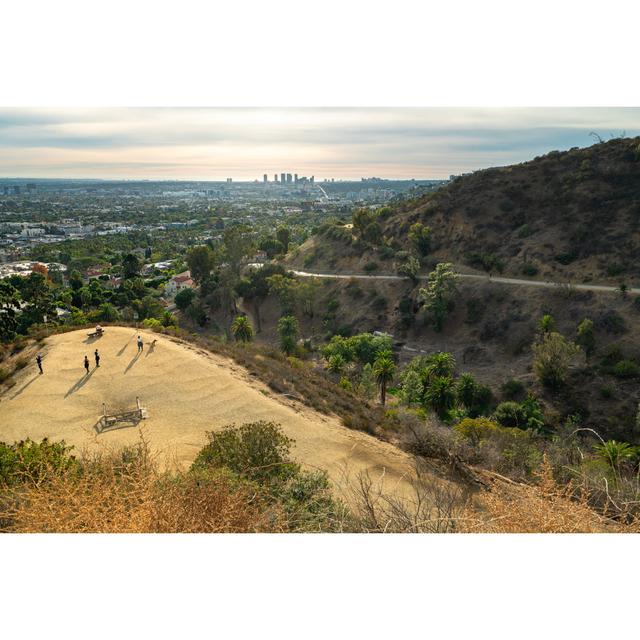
<point x="245" y="143"/>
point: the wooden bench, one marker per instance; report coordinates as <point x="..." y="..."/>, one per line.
<point x="95" y="334"/>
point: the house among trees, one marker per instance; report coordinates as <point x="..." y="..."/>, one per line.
<point x="178" y="283"/>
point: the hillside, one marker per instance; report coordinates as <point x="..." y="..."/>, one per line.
<point x="571" y="216"/>
<point x="186" y="391"/>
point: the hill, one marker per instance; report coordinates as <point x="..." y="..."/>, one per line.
<point x="570" y="216"/>
<point x="186" y="391"/>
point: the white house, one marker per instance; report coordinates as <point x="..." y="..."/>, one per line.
<point x="178" y="283"/>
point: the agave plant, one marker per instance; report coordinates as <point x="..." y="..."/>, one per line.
<point x="614" y="452"/>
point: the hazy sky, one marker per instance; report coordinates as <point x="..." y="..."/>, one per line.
<point x="244" y="143"/>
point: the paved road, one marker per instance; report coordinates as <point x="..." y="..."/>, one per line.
<point x="471" y="276"/>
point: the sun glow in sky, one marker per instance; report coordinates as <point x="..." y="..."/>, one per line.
<point x="245" y="143"/>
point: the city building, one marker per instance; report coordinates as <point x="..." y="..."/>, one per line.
<point x="265" y="179"/>
<point x="283" y="178"/>
<point x="289" y="179"/>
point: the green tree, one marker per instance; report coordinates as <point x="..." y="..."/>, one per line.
<point x="440" y="364"/>
<point x="75" y="280"/>
<point x="131" y="266"/>
<point x="288" y="330"/>
<point x="383" y="369"/>
<point x="237" y="245"/>
<point x="410" y="268"/>
<point x="440" y="293"/>
<point x="336" y="363"/>
<point x="552" y="356"/>
<point x="441" y="395"/>
<point x="283" y="235"/>
<point x="412" y="389"/>
<point x="420" y="238"/>
<point x="184" y="298"/>
<point x="242" y="329"/>
<point x="108" y="312"/>
<point x="367" y="385"/>
<point x="466" y="389"/>
<point x="9" y="309"/>
<point x="255" y="287"/>
<point x="586" y="336"/>
<point x="201" y="261"/>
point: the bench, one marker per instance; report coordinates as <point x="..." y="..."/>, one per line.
<point x="95" y="334"/>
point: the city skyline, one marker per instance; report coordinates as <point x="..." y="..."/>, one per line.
<point x="245" y="143"/>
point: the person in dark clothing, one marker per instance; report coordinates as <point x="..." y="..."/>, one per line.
<point x="86" y="364"/>
<point x="39" y="362"/>
<point x="96" y="355"/>
<point x="140" y="344"/>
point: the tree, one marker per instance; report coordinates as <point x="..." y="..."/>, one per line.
<point x="285" y="288"/>
<point x="255" y="287"/>
<point x="9" y="308"/>
<point x="410" y="268"/>
<point x="466" y="389"/>
<point x="367" y="386"/>
<point x="383" y="369"/>
<point x="75" y="280"/>
<point x="237" y="244"/>
<point x="440" y="292"/>
<point x="441" y="395"/>
<point x="552" y="356"/>
<point x="412" y="388"/>
<point x="283" y="235"/>
<point x="336" y="363"/>
<point x="201" y="261"/>
<point x="441" y="364"/>
<point x="108" y="312"/>
<point x="271" y="247"/>
<point x="586" y="336"/>
<point x="184" y="298"/>
<point x="420" y="238"/>
<point x="242" y="329"/>
<point x="288" y="330"/>
<point x="131" y="266"/>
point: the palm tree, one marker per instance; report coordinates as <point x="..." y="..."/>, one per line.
<point x="242" y="329"/>
<point x="288" y="330"/>
<point x="441" y="395"/>
<point x="383" y="370"/>
<point x="440" y="364"/>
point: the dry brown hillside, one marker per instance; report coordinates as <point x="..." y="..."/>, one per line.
<point x="571" y="216"/>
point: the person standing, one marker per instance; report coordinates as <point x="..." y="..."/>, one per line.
<point x="96" y="355"/>
<point x="39" y="362"/>
<point x="86" y="364"/>
<point x="140" y="344"/>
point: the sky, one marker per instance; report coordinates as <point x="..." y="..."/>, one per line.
<point x="244" y="143"/>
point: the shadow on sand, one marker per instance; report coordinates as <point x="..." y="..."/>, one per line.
<point x="99" y="427"/>
<point x="151" y="349"/>
<point x="133" y="361"/>
<point x="91" y="339"/>
<point x="24" y="386"/>
<point x="126" y="344"/>
<point x="78" y="385"/>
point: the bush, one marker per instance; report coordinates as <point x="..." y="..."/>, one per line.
<point x="552" y="356"/>
<point x="30" y="461"/>
<point x="512" y="389"/>
<point x="509" y="414"/>
<point x="258" y="451"/>
<point x="529" y="269"/>
<point x="370" y="266"/>
<point x="476" y="430"/>
<point x="625" y="369"/>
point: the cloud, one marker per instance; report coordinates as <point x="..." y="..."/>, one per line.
<point x="245" y="142"/>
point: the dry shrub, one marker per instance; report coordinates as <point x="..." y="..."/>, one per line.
<point x="543" y="508"/>
<point x="125" y="494"/>
<point x="435" y="506"/>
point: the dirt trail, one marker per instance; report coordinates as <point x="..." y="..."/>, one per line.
<point x="186" y="391"/>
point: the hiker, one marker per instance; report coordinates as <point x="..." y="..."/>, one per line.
<point x="86" y="364"/>
<point x="39" y="361"/>
<point x="96" y="355"/>
<point x="140" y="344"/>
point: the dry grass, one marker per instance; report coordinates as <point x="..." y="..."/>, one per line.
<point x="546" y="507"/>
<point x="113" y="494"/>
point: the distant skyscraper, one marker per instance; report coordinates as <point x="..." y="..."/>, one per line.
<point x="275" y="177"/>
<point x="229" y="180"/>
<point x="283" y="178"/>
<point x="289" y="179"/>
<point x="295" y="178"/>
<point x="312" y="179"/>
<point x="265" y="179"/>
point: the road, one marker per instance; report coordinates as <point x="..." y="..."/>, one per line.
<point x="471" y="276"/>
